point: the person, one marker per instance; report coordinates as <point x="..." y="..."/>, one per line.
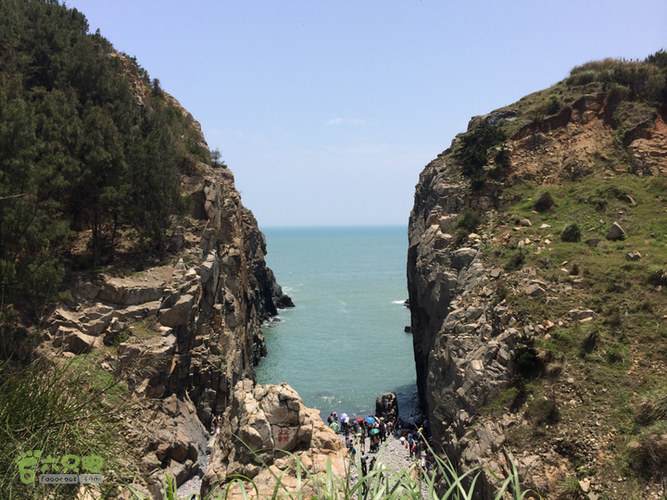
<point x="364" y="472"/>
<point x="350" y="445"/>
<point x="362" y="442"/>
<point x="376" y="443"/>
<point x="216" y="424"/>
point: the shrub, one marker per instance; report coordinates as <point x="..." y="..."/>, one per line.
<point x="469" y="220"/>
<point x="501" y="291"/>
<point x="461" y="236"/>
<point x="115" y="339"/>
<point x="157" y="89"/>
<point x="543" y="201"/>
<point x="503" y="162"/>
<point x="540" y="412"/>
<point x="652" y="410"/>
<point x="472" y="151"/>
<point x="216" y="161"/>
<point x="526" y="357"/>
<point x="659" y="59"/>
<point x="658" y="276"/>
<point x="553" y="371"/>
<point x="650" y="452"/>
<point x="575" y="270"/>
<point x="554" y="104"/>
<point x="18" y="343"/>
<point x="569" y="488"/>
<point x="613" y="318"/>
<point x="571" y="233"/>
<point x="614" y="355"/>
<point x="516" y="261"/>
<point x="643" y="80"/>
<point x="617" y="93"/>
<point x="590" y="340"/>
<point x="600" y="204"/>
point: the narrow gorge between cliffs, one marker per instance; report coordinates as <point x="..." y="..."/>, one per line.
<point x="344" y="342"/>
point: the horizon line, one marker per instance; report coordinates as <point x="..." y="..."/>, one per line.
<point x="332" y="226"/>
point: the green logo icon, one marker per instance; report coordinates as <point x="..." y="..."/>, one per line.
<point x="68" y="464"/>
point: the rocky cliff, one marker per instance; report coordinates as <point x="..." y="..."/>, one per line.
<point x="511" y="317"/>
<point x="130" y="271"/>
<point x="183" y="337"/>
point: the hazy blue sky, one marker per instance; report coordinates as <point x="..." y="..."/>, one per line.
<point x="327" y="111"/>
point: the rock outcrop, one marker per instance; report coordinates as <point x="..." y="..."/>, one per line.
<point x="386" y="406"/>
<point x="189" y="329"/>
<point x="261" y="424"/>
<point x="465" y="336"/>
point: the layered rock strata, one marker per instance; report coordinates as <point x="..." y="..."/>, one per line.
<point x="188" y="330"/>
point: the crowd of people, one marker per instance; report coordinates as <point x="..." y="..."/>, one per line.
<point x="357" y="432"/>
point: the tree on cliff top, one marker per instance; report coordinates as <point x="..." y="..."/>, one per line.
<point x="77" y="151"/>
<point x="473" y="149"/>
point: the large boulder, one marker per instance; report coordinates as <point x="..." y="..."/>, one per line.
<point x="79" y="343"/>
<point x="179" y="444"/>
<point x="386" y="406"/>
<point x="179" y="314"/>
<point x="463" y="257"/>
<point x="263" y="423"/>
<point x="125" y="291"/>
<point x="616" y="232"/>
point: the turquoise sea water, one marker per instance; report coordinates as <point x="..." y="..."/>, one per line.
<point x="343" y="344"/>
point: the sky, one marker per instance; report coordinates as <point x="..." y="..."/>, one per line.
<point x="327" y="111"/>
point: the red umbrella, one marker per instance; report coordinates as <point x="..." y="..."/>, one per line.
<point x="359" y="419"/>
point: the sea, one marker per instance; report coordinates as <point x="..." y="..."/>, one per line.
<point x="344" y="343"/>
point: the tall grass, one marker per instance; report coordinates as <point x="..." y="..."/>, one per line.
<point x="59" y="410"/>
<point x="381" y="483"/>
<point x="642" y="80"/>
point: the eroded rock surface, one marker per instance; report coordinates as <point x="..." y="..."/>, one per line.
<point x="260" y="422"/>
<point x="464" y="334"/>
<point x="188" y="330"/>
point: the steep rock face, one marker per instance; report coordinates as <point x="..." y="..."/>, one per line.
<point x="464" y="337"/>
<point x="433" y="266"/>
<point x="188" y="330"/>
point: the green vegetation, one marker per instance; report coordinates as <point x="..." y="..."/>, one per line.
<point x="644" y="81"/>
<point x="543" y="201"/>
<point x="633" y="89"/>
<point x="472" y="151"/>
<point x="78" y="150"/>
<point x="378" y="484"/>
<point x="554" y="104"/>
<point x="72" y="409"/>
<point x="602" y="377"/>
<point x="145" y="328"/>
<point x="571" y="233"/>
<point x="470" y="220"/>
